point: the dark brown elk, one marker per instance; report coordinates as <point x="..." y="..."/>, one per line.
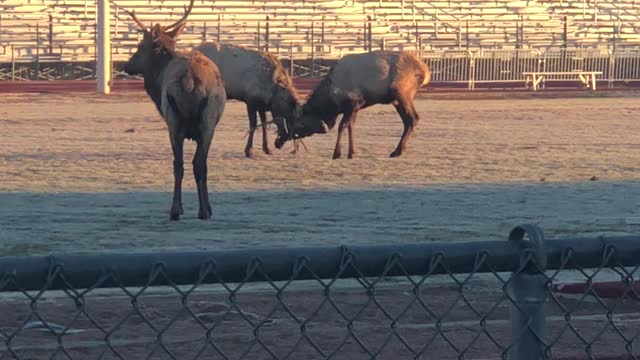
<point x="358" y="81"/>
<point x="258" y="79"/>
<point x="188" y="92"/>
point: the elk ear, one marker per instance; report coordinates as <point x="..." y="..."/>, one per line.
<point x="176" y="31"/>
<point x="156" y="31"/>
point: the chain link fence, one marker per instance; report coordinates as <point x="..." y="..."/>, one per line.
<point x="525" y="298"/>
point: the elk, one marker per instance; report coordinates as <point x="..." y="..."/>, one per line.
<point x="356" y="82"/>
<point x="258" y="79"/>
<point x="188" y="92"/>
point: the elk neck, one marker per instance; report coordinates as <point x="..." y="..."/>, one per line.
<point x="153" y="74"/>
<point x="321" y="102"/>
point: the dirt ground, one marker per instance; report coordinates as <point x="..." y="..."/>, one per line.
<point x="80" y="173"/>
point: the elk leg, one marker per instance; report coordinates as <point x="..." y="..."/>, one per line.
<point x="265" y="141"/>
<point x="410" y="118"/>
<point x="296" y="146"/>
<point x="177" y="142"/>
<point x="352" y="145"/>
<point x="200" y="175"/>
<point x="253" y="123"/>
<point x="344" y="122"/>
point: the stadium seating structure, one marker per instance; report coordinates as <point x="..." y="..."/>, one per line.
<point x="64" y="30"/>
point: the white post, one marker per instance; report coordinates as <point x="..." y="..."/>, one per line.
<point x="104" y="48"/>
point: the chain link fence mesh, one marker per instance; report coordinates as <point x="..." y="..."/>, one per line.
<point x="439" y="313"/>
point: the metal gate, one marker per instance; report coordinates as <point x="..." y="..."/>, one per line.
<point x="505" y="65"/>
<point x="449" y="66"/>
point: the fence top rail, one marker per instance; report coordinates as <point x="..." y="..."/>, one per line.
<point x="572" y="72"/>
<point x="283" y="264"/>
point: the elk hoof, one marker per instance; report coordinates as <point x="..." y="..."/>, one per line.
<point x="248" y="153"/>
<point x="204" y="215"/>
<point x="336" y="155"/>
<point x="267" y="151"/>
<point x="396" y="153"/>
<point x="351" y="155"/>
<point x="175" y="213"/>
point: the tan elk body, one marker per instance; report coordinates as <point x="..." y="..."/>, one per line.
<point x="258" y="79"/>
<point x="358" y="81"/>
<point x="188" y="92"/>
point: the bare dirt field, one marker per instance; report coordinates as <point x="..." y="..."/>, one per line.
<point x="80" y="173"/>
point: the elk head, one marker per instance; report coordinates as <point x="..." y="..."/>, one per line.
<point x="286" y="109"/>
<point x="310" y="123"/>
<point x="157" y="41"/>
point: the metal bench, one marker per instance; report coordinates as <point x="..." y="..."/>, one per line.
<point x="588" y="78"/>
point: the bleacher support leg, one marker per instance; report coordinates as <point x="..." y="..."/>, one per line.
<point x="291" y="58"/>
<point x="13" y="63"/>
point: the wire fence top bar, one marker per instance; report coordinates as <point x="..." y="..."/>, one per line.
<point x="101" y="271"/>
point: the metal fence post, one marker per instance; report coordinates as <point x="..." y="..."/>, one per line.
<point x="37" y="51"/>
<point x="218" y="30"/>
<point x="50" y="37"/>
<point x="565" y="32"/>
<point x="612" y="68"/>
<point x="527" y="290"/>
<point x="471" y="70"/>
<point x="291" y="59"/>
<point x="313" y="52"/>
<point x="369" y="36"/>
<point x="13" y="63"/>
<point x="266" y="34"/>
<point x="258" y="38"/>
<point x="466" y="35"/>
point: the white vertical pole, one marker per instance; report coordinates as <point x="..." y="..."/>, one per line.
<point x="104" y="48"/>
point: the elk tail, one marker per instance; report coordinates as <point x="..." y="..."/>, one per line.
<point x="188" y="82"/>
<point x="426" y="75"/>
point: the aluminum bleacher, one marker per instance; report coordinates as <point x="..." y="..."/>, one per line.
<point x="64" y="30"/>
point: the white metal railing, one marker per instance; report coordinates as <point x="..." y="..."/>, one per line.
<point x="464" y="67"/>
<point x="508" y="66"/>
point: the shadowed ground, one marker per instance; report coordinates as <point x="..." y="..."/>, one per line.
<point x="36" y="223"/>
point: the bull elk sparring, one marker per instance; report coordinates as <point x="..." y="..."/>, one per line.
<point x="356" y="82"/>
<point x="188" y="92"/>
<point x="258" y="79"/>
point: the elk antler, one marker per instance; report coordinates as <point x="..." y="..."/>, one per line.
<point x="187" y="11"/>
<point x="135" y="18"/>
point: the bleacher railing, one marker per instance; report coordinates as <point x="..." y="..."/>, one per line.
<point x="454" y="67"/>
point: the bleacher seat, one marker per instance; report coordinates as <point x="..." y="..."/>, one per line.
<point x="67" y="27"/>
